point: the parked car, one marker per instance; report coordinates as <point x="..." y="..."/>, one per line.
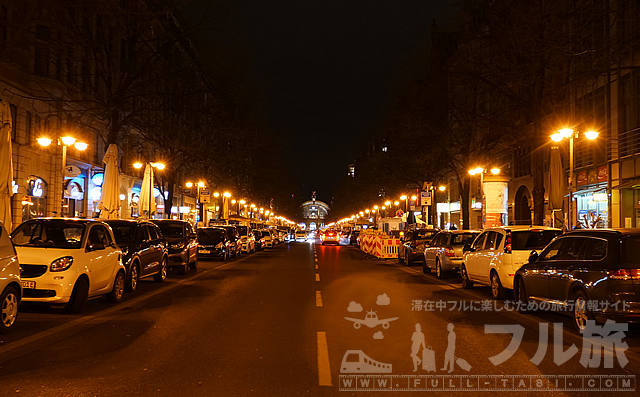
<point x="301" y="235"/>
<point x="247" y="239"/>
<point x="413" y="243"/>
<point x="268" y="238"/>
<point x="444" y="252"/>
<point x="236" y="244"/>
<point x="182" y="242"/>
<point x="495" y="255"/>
<point x="10" y="287"/>
<point x="588" y="274"/>
<point x="144" y="250"/>
<point x="214" y="242"/>
<point x="353" y="237"/>
<point x="82" y="252"/>
<point x="330" y="236"/>
<point x="260" y="241"/>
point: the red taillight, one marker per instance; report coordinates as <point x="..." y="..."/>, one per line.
<point x="625" y="274"/>
<point x="448" y="251"/>
<point x="507" y="244"/>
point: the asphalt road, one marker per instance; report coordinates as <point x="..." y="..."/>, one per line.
<point x="273" y="324"/>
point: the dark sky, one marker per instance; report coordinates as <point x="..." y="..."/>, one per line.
<point x="326" y="71"/>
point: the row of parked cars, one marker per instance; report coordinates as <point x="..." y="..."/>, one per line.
<point x="65" y="262"/>
<point x="591" y="274"/>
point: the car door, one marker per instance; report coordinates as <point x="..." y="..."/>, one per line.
<point x="536" y="274"/>
<point x="431" y="251"/>
<point x="572" y="259"/>
<point x="473" y="259"/>
<point x="144" y="249"/>
<point x="156" y="249"/>
<point x="491" y="255"/>
<point x="406" y="240"/>
<point x="101" y="258"/>
<point x="192" y="250"/>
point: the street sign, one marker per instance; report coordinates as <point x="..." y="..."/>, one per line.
<point x="71" y="171"/>
<point x="205" y="196"/>
<point x="399" y="213"/>
<point x="425" y="198"/>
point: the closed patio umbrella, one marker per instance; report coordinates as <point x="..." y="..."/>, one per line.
<point x="110" y="199"/>
<point x="147" y="202"/>
<point x="6" y="166"/>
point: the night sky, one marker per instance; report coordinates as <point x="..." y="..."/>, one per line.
<point x="326" y="71"/>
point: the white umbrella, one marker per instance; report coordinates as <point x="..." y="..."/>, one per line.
<point x="110" y="199"/>
<point x="6" y="166"/>
<point x="147" y="202"/>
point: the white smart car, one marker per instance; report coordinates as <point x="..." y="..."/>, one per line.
<point x="498" y="252"/>
<point x="10" y="289"/>
<point x="67" y="261"/>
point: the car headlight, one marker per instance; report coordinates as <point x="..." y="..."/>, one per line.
<point x="61" y="264"/>
<point x="177" y="246"/>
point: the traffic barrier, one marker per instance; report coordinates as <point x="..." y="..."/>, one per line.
<point x="389" y="247"/>
<point x="380" y="247"/>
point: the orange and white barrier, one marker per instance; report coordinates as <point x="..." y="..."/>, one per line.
<point x="381" y="247"/>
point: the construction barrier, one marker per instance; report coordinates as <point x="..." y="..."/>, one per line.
<point x="379" y="246"/>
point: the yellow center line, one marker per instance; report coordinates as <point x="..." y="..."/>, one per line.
<point x="316" y="266"/>
<point x="324" y="372"/>
<point x="317" y="277"/>
<point x="318" y="299"/>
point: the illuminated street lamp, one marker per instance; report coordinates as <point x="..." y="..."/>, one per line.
<point x="571" y="134"/>
<point x="64" y="142"/>
<point x="199" y="185"/>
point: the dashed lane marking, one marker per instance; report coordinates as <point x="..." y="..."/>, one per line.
<point x="324" y="371"/>
<point x="317" y="277"/>
<point x="318" y="299"/>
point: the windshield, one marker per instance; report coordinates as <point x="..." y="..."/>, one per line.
<point x="532" y="239"/>
<point x="426" y="234"/>
<point x="243" y="230"/>
<point x="210" y="235"/>
<point x="171" y="229"/>
<point x="49" y="234"/>
<point x="463" y="238"/>
<point x="124" y="233"/>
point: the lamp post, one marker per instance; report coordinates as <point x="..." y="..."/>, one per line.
<point x="571" y="134"/>
<point x="64" y="142"/>
<point x="199" y="185"/>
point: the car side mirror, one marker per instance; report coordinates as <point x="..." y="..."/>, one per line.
<point x="467" y="248"/>
<point x="533" y="257"/>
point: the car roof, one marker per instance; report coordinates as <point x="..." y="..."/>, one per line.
<point x="595" y="232"/>
<point x="521" y="228"/>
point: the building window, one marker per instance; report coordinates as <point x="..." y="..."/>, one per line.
<point x="41" y="60"/>
<point x="3" y="26"/>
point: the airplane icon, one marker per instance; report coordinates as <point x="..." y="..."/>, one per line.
<point x="371" y="321"/>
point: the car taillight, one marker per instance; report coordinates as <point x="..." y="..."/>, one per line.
<point x="448" y="251"/>
<point x="625" y="274"/>
<point x="507" y="244"/>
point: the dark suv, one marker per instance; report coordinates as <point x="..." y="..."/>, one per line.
<point x="413" y="243"/>
<point x="144" y="250"/>
<point x="589" y="274"/>
<point x="234" y="237"/>
<point x="183" y="246"/>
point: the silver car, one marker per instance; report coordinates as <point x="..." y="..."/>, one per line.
<point x="444" y="253"/>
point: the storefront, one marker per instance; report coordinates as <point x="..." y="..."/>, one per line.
<point x="591" y="199"/>
<point x="34" y="202"/>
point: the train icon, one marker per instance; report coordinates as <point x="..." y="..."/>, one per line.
<point x="356" y="362"/>
<point x="371" y="320"/>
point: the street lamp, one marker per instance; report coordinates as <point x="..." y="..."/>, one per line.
<point x="571" y="134"/>
<point x="64" y="142"/>
<point x="199" y="185"/>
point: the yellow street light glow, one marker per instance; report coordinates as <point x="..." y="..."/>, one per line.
<point x="44" y="141"/>
<point x="591" y="134"/>
<point x="188" y="184"/>
<point x="226" y="194"/>
<point x="216" y="194"/>
<point x="242" y="202"/>
<point x="361" y="213"/>
<point x="253" y="206"/>
<point x="159" y="166"/>
<point x="81" y="146"/>
<point x="233" y="201"/>
<point x="396" y="203"/>
<point x="137" y="165"/>
<point x="413" y="197"/>
<point x="387" y="203"/>
<point x="375" y="207"/>
<point x="68" y="140"/>
<point x="367" y="211"/>
<point x="384" y="208"/>
<point x="403" y="197"/>
<point x="442" y="188"/>
<point x="201" y="184"/>
<point x="557" y="137"/>
<point x="495" y="171"/>
<point x="566" y="132"/>
<point x="261" y="209"/>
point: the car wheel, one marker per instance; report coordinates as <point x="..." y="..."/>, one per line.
<point x="132" y="283"/>
<point x="439" y="272"/>
<point x="162" y="273"/>
<point x="407" y="258"/>
<point x="425" y="268"/>
<point x="581" y="313"/>
<point x="521" y="296"/>
<point x="79" y="296"/>
<point x="9" y="308"/>
<point x="497" y="290"/>
<point x="466" y="283"/>
<point x="115" y="296"/>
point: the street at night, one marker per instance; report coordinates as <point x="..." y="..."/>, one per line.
<point x="258" y="325"/>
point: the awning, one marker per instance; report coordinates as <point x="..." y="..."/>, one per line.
<point x="591" y="190"/>
<point x="631" y="184"/>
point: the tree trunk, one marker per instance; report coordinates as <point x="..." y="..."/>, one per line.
<point x="464" y="186"/>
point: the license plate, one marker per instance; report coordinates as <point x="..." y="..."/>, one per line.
<point x="204" y="251"/>
<point x="28" y="284"/>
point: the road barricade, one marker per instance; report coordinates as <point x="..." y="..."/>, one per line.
<point x="379" y="246"/>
